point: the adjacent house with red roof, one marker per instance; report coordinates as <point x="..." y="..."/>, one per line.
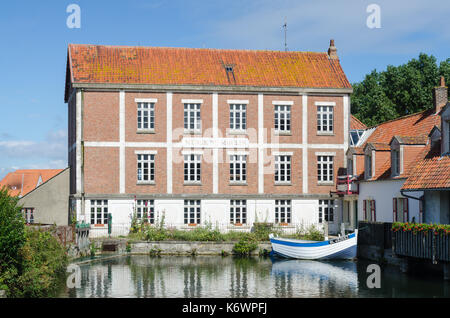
<point x="383" y="165"/>
<point x="432" y="173"/>
<point x="43" y="194"/>
<point x="22" y="181"/>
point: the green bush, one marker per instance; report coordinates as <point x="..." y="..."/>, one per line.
<point x="245" y="247"/>
<point x="262" y="231"/>
<point x="44" y="262"/>
<point x="313" y="234"/>
<point x="12" y="230"/>
<point x="32" y="262"/>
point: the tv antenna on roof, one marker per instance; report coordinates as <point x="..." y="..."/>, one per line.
<point x="285" y="34"/>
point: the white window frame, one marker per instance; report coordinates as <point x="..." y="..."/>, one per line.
<point x="283" y="168"/>
<point x="145" y="206"/>
<point x="283" y="211"/>
<point x="368" y="165"/>
<point x="195" y="216"/>
<point x="235" y="120"/>
<point x="395" y="162"/>
<point x="145" y="114"/>
<point x="284" y="111"/>
<point x="28" y="214"/>
<point x="238" y="212"/>
<point x="238" y="168"/>
<point x="325" y="168"/>
<point x="95" y="206"/>
<point x="192" y="116"/>
<point x="359" y="133"/>
<point x="326" y="211"/>
<point x="325" y="117"/>
<point x="145" y="160"/>
<point x="192" y="161"/>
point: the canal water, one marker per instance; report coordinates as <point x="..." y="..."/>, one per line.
<point x="229" y="277"/>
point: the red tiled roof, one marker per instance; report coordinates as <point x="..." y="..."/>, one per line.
<point x="355" y="123"/>
<point x="432" y="172"/>
<point x="419" y="124"/>
<point x="20" y="182"/>
<point x="187" y="66"/>
<point x="412" y="129"/>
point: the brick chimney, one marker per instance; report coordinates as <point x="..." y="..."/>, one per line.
<point x="440" y="96"/>
<point x="332" y="51"/>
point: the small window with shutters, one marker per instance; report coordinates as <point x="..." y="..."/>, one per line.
<point x="373" y="213"/>
<point x="400" y="210"/>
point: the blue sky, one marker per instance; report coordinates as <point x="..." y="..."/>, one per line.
<point x="34" y="38"/>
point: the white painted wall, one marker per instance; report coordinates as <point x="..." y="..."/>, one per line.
<point x="213" y="211"/>
<point x="383" y="192"/>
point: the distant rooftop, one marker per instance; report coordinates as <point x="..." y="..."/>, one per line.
<point x="20" y="182"/>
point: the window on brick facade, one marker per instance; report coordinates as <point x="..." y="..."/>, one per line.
<point x="99" y="211"/>
<point x="325" y="119"/>
<point x="326" y="211"/>
<point x="192" y="168"/>
<point x="145" y="210"/>
<point x="282" y="169"/>
<point x="325" y="170"/>
<point x="282" y="118"/>
<point x="192" y="211"/>
<point x="283" y="211"/>
<point x="238" y="116"/>
<point x="238" y="211"/>
<point x="238" y="168"/>
<point x="28" y="214"/>
<point x="192" y="122"/>
<point x="145" y="168"/>
<point x="146" y="116"/>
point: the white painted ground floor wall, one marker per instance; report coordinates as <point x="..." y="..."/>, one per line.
<point x="216" y="212"/>
<point x="383" y="193"/>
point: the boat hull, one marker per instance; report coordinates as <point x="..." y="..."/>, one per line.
<point x="345" y="249"/>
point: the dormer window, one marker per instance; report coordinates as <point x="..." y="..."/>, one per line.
<point x="448" y="135"/>
<point x="395" y="162"/>
<point x="368" y="166"/>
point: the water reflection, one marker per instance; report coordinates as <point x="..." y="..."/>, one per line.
<point x="202" y="276"/>
<point x="315" y="279"/>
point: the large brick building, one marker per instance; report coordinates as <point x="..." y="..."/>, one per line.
<point x="224" y="137"/>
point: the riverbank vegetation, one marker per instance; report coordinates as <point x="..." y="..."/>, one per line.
<point x="32" y="262"/>
<point x="141" y="231"/>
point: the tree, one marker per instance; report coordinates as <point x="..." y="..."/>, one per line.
<point x="12" y="230"/>
<point x="399" y="90"/>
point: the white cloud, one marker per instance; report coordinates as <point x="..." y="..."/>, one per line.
<point x="54" y="147"/>
<point x="406" y="26"/>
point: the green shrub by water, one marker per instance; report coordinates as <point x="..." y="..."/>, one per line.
<point x="32" y="262"/>
<point x="245" y="246"/>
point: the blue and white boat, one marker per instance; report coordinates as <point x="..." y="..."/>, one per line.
<point x="343" y="247"/>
